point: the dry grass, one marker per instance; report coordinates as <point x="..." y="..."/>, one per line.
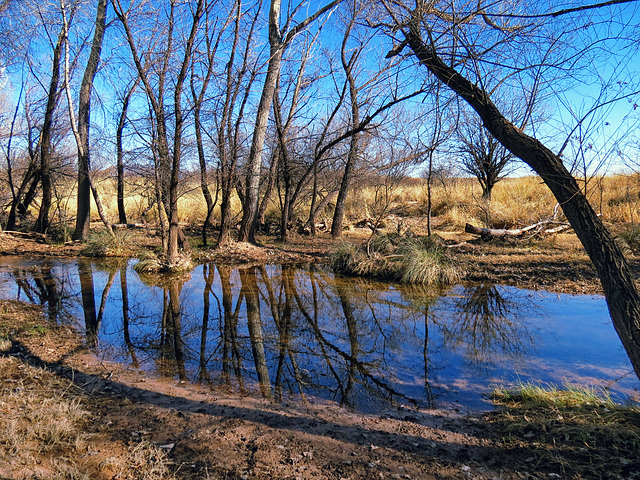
<point x="47" y="422"/>
<point x="38" y="411"/>
<point x="123" y="243"/>
<point x="151" y="263"/>
<point x="144" y="461"/>
<point x="515" y="201"/>
<point x="417" y="261"/>
<point x="455" y="201"/>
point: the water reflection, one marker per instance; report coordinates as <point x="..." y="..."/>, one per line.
<point x="284" y="332"/>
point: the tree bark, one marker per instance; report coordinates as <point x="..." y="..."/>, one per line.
<point x="619" y="287"/>
<point x="250" y="207"/>
<point x="42" y="223"/>
<point x="83" y="212"/>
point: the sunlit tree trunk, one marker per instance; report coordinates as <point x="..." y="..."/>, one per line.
<point x="83" y="212"/>
<point x="42" y="223"/>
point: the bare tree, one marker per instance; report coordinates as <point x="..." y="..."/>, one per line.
<point x="481" y="155"/>
<point x="42" y="223"/>
<point x="169" y="158"/>
<point x="81" y="131"/>
<point x="80" y="127"/>
<point x="280" y="37"/>
<point x="239" y="77"/>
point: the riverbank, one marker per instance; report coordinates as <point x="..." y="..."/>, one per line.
<point x="556" y="263"/>
<point x="68" y="415"/>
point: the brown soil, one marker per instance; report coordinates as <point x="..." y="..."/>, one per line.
<point x="198" y="433"/>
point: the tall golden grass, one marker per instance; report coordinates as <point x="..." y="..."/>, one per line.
<point x="456" y="201"/>
<point x="514" y="201"/>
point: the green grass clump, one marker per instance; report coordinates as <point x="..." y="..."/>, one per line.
<point x="393" y="257"/>
<point x="546" y="395"/>
<point x="103" y="244"/>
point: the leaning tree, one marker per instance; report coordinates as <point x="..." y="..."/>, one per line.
<point x="455" y="42"/>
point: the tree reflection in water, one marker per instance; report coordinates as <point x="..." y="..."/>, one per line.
<point x="43" y="284"/>
<point x="486" y="323"/>
<point x="284" y="330"/>
<point x="85" y="275"/>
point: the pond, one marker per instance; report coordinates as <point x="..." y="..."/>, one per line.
<point x="293" y="333"/>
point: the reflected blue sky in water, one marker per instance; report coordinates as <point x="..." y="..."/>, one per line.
<point x="362" y="344"/>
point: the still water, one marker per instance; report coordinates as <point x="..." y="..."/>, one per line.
<point x="294" y="333"/>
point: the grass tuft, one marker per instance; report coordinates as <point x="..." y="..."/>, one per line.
<point x="420" y="260"/>
<point x="151" y="263"/>
<point x="546" y="395"/>
<point x="571" y="431"/>
<point x="103" y="244"/>
<point x="427" y="266"/>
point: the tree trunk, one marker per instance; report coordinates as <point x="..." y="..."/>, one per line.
<point x="122" y="213"/>
<point x="619" y="287"/>
<point x="42" y="223"/>
<point x="83" y="212"/>
<point x="250" y="206"/>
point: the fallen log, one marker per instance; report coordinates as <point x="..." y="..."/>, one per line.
<point x="536" y="228"/>
<point x="132" y="225"/>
